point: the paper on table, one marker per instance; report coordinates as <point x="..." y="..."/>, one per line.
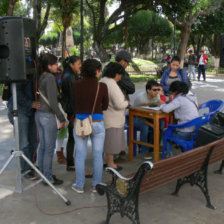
<point x="150" y="108"/>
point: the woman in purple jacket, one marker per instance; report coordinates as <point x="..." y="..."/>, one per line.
<point x="174" y="73"/>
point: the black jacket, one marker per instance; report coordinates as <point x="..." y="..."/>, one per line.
<point x="125" y="84"/>
<point x="67" y="97"/>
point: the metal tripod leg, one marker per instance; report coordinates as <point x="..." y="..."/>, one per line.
<point x="67" y="202"/>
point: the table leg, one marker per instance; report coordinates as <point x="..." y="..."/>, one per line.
<point x="131" y="135"/>
<point x="156" y="138"/>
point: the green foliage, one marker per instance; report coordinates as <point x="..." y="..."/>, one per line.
<point x="145" y="25"/>
<point x="75" y="51"/>
<point x="49" y="39"/>
<point x="1" y="89"/>
<point x="22" y="9"/>
<point x="3" y="7"/>
<point x="142" y="78"/>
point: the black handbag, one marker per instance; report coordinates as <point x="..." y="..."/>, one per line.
<point x="6" y="92"/>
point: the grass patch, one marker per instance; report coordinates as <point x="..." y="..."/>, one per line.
<point x="1" y="89"/>
<point x="141" y="78"/>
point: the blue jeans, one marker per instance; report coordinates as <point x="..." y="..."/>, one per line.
<point x="180" y="135"/>
<point x="97" y="138"/>
<point x="27" y="137"/>
<point x="201" y="69"/>
<point x="144" y="132"/>
<point x="47" y="128"/>
<point x="191" y="69"/>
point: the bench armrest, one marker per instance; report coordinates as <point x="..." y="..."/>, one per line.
<point x="113" y="171"/>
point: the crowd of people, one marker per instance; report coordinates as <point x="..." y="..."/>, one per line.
<point x="102" y="101"/>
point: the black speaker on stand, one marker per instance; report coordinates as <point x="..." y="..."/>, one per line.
<point x="17" y="49"/>
<point x="18" y="63"/>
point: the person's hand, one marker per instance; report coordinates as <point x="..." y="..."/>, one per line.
<point x="161" y="102"/>
<point x="61" y="125"/>
<point x="36" y="104"/>
<point x="171" y="97"/>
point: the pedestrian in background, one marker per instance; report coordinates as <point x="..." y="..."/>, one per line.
<point x="202" y="64"/>
<point x="192" y="60"/>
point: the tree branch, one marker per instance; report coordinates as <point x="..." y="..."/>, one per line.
<point x="216" y="6"/>
<point x="44" y="23"/>
<point x="102" y="15"/>
<point x="93" y="13"/>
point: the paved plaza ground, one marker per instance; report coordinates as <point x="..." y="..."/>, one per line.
<point x="156" y="207"/>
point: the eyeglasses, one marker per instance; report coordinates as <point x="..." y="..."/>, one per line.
<point x="156" y="89"/>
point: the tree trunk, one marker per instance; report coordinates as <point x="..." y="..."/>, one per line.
<point x="63" y="45"/>
<point x="216" y="45"/>
<point x="146" y="49"/>
<point x="185" y="33"/>
<point x="100" y="51"/>
<point x="10" y="8"/>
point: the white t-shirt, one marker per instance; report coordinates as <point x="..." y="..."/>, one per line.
<point x="142" y="98"/>
<point x="201" y="61"/>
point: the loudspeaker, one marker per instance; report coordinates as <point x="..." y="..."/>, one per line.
<point x="222" y="52"/>
<point x="206" y="136"/>
<point x="17" y="49"/>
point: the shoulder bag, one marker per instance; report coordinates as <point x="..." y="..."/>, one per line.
<point x="60" y="108"/>
<point x="84" y="128"/>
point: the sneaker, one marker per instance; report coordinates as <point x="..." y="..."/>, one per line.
<point x="30" y="175"/>
<point x="93" y="189"/>
<point x="79" y="190"/>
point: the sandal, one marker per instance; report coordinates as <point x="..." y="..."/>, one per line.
<point x="88" y="175"/>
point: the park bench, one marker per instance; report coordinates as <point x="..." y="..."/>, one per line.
<point x="189" y="167"/>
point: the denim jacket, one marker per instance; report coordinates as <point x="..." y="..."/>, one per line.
<point x="181" y="73"/>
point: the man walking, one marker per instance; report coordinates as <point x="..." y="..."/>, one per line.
<point x="202" y="62"/>
<point x="191" y="64"/>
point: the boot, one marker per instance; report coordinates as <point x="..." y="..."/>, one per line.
<point x="61" y="157"/>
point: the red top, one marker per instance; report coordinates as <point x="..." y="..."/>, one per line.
<point x="166" y="119"/>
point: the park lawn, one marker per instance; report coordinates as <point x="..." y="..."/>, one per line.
<point x="144" y="65"/>
<point x="1" y="89"/>
<point x="142" y="77"/>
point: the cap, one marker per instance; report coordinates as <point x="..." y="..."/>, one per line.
<point x="123" y="54"/>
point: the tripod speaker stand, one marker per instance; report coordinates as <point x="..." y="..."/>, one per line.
<point x="18" y="155"/>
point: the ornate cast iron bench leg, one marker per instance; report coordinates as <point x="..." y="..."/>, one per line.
<point x="219" y="171"/>
<point x="199" y="179"/>
<point x="123" y="193"/>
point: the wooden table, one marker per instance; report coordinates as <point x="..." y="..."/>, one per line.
<point x="155" y="115"/>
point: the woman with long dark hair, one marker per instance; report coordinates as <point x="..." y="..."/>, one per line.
<point x="172" y="74"/>
<point x="85" y="94"/>
<point x="45" y="116"/>
<point x="72" y="66"/>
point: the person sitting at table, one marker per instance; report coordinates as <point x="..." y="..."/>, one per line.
<point x="150" y="97"/>
<point x="174" y="73"/>
<point x="185" y="106"/>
